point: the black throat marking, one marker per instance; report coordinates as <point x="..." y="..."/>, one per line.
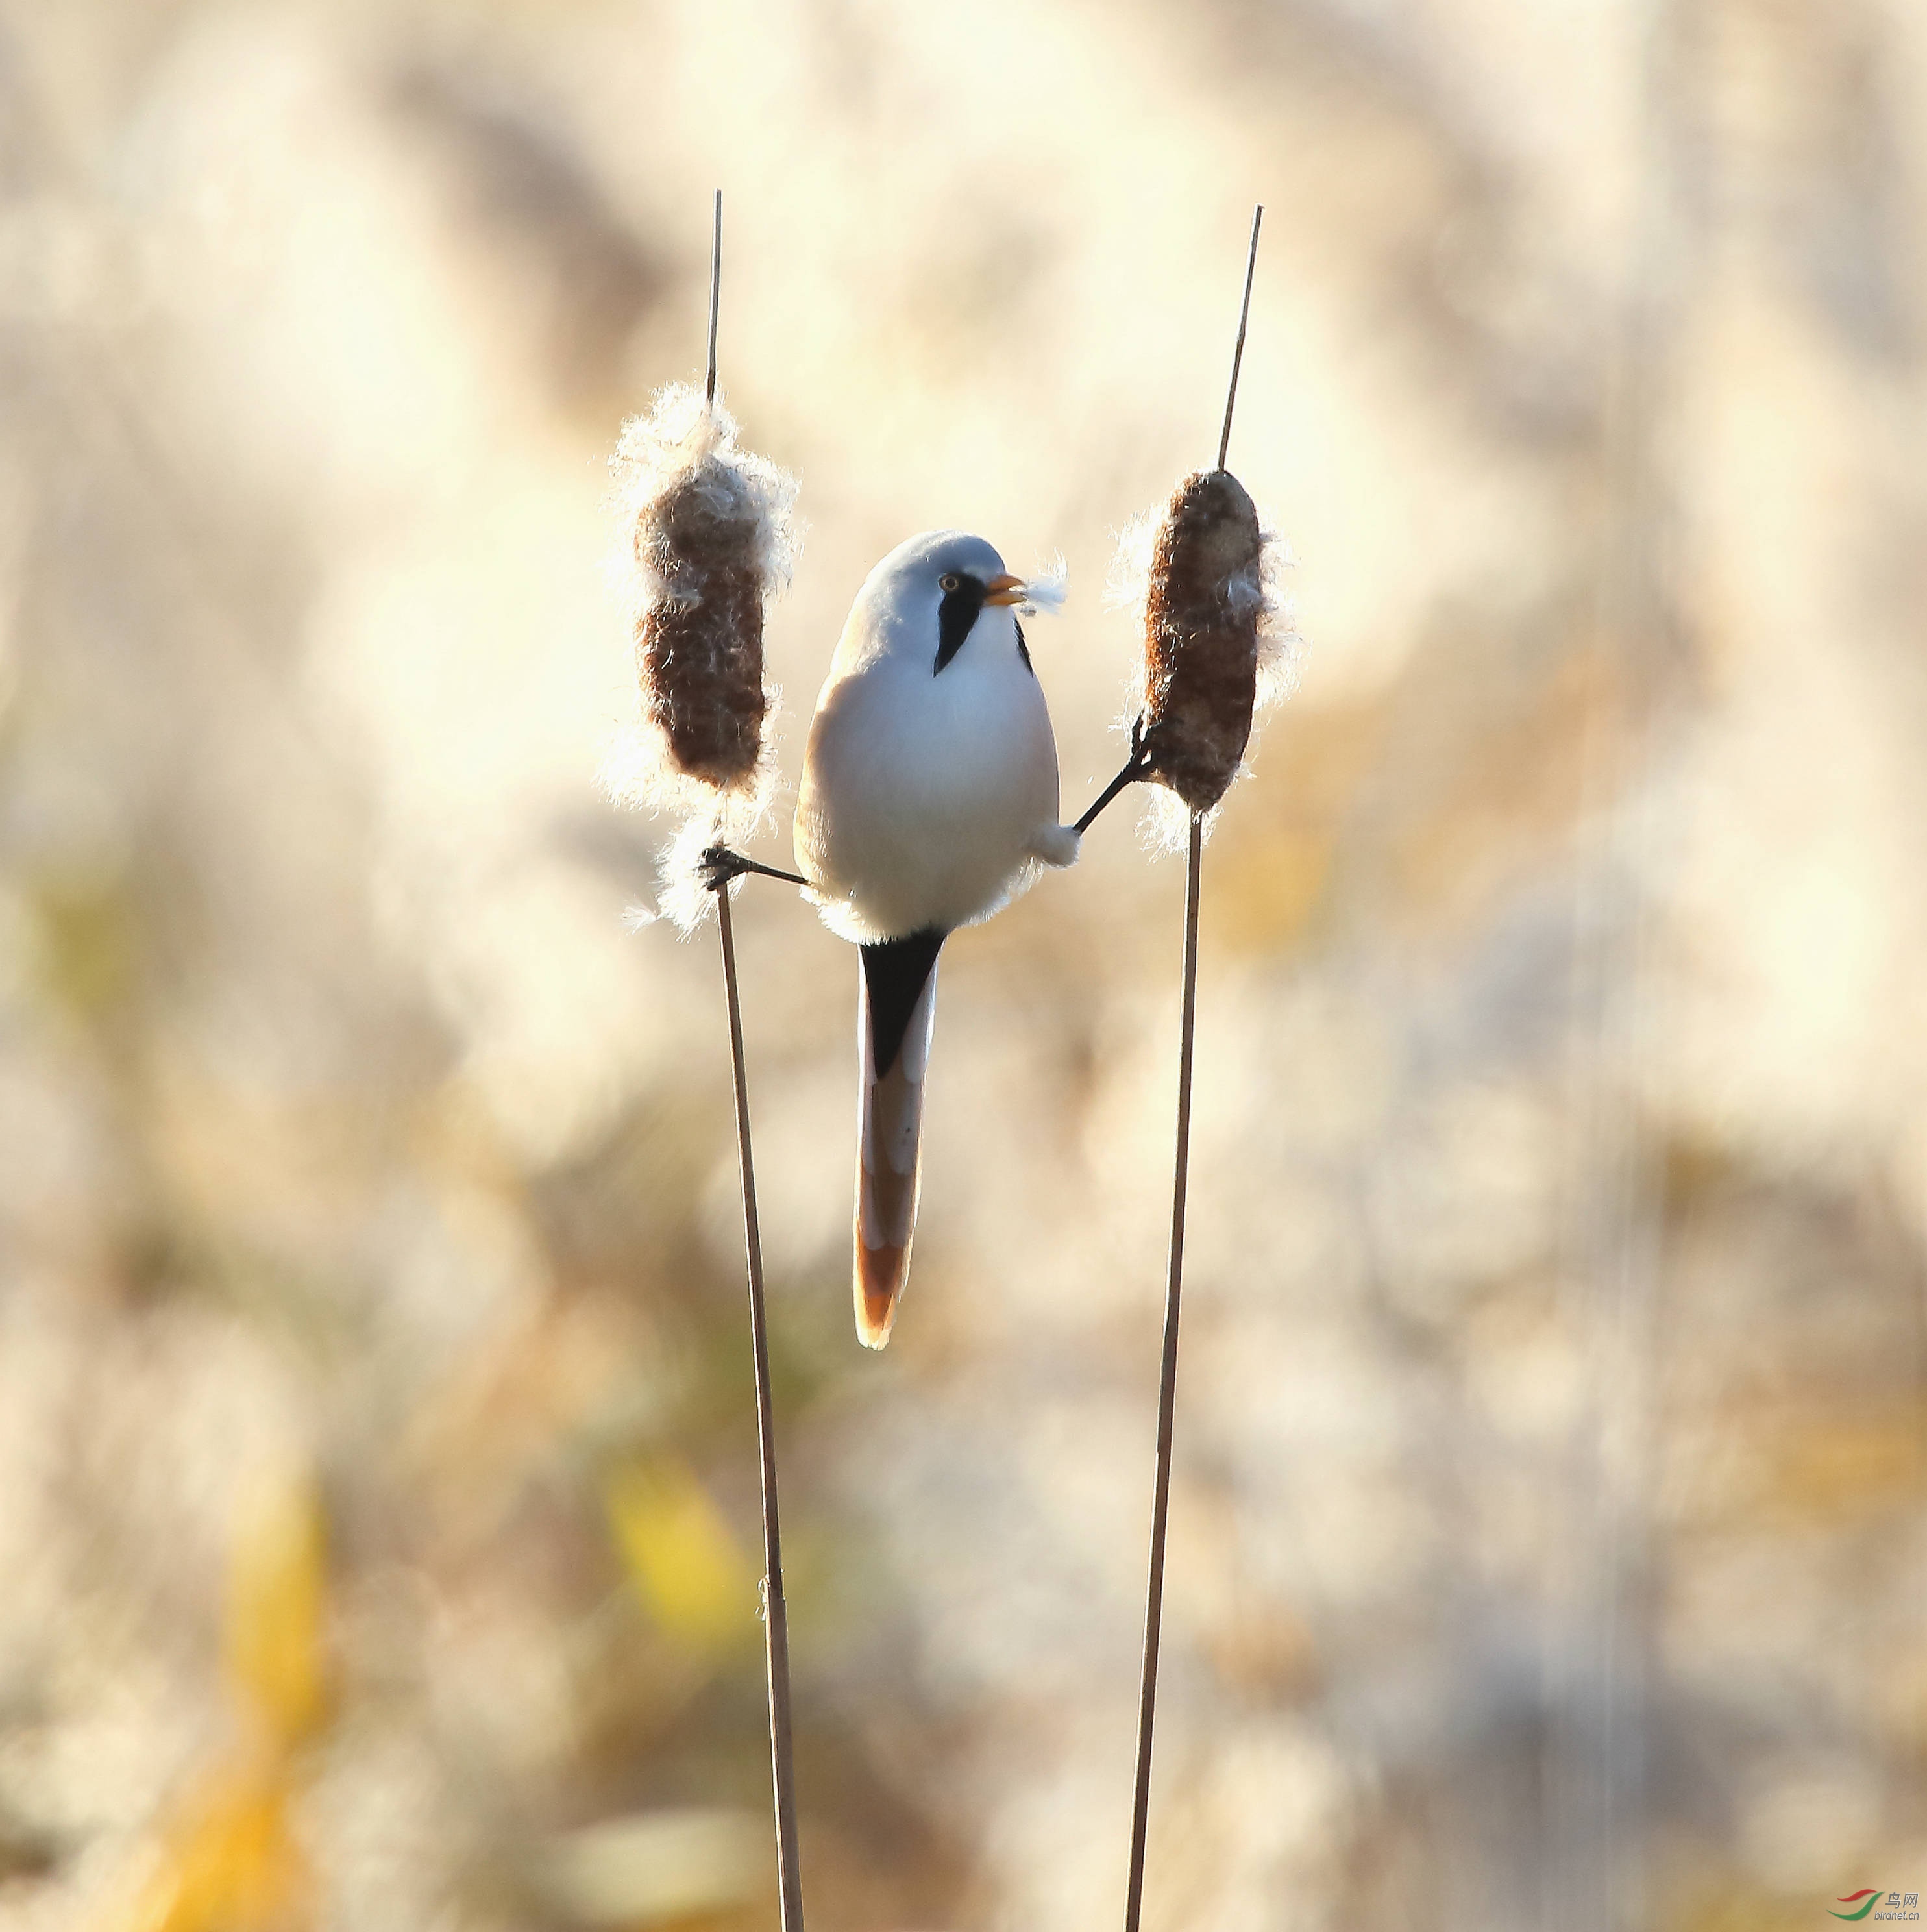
<point x="893" y="973"/>
<point x="955" y="615"/>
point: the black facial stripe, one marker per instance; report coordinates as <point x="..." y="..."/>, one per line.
<point x="954" y="616"/>
<point x="1023" y="649"/>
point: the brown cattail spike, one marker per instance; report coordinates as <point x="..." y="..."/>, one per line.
<point x="1204" y="605"/>
<point x="707" y="534"/>
<point x="699" y="647"/>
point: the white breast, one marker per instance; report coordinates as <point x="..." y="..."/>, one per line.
<point x="924" y="793"/>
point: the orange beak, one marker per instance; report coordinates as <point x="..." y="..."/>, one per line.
<point x="1005" y="590"/>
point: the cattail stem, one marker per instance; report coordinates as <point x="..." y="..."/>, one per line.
<point x="716" y="297"/>
<point x="775" y="1611"/>
<point x="1167" y="1380"/>
<point x="1167" y="1386"/>
<point x="775" y="1608"/>
<point x="1140" y="765"/>
<point x="1244" y="315"/>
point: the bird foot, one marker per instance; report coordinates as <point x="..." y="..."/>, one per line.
<point x="1141" y="764"/>
<point x="719" y="866"/>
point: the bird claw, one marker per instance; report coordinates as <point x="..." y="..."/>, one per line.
<point x="718" y="865"/>
<point x="1142" y="763"/>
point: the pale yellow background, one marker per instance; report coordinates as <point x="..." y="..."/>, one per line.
<point x="377" y="1517"/>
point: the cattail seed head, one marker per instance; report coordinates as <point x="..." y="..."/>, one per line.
<point x="708" y="535"/>
<point x="1201" y="637"/>
<point x="700" y="665"/>
<point x="1217" y="632"/>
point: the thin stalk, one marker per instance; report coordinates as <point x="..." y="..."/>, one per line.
<point x="1238" y="353"/>
<point x="1138" y="766"/>
<point x="775" y="1611"/>
<point x="715" y="295"/>
<point x="1167" y="1380"/>
<point x="1168" y="1387"/>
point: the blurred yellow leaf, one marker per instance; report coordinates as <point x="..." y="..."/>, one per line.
<point x="684" y="1562"/>
<point x="277" y="1587"/>
<point x="1830" y="1466"/>
<point x="1713" y="1899"/>
<point x="229" y="1862"/>
<point x="231" y="1865"/>
<point x="1810" y="1461"/>
<point x="89" y="946"/>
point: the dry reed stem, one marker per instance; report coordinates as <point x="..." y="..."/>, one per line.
<point x="775" y="1610"/>
<point x="701" y="660"/>
<point x="1168" y="1388"/>
<point x="1201" y="658"/>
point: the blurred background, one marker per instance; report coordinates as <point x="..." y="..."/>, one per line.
<point x="377" y="1480"/>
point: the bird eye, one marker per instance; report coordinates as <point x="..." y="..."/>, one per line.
<point x="949" y="582"/>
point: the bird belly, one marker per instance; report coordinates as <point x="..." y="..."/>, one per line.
<point x="922" y="795"/>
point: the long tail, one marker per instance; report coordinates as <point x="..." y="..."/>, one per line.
<point x="895" y="1011"/>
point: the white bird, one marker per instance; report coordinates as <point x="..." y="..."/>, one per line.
<point x="929" y="800"/>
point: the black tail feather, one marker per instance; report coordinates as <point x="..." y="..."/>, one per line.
<point x="895" y="971"/>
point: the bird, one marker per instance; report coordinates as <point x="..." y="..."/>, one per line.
<point x="928" y="801"/>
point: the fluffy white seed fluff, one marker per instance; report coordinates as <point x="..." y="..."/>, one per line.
<point x="682" y="434"/>
<point x="686" y="900"/>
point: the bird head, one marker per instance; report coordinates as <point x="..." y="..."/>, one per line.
<point x="926" y="599"/>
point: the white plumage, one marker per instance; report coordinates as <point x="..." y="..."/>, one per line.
<point x="929" y="800"/>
